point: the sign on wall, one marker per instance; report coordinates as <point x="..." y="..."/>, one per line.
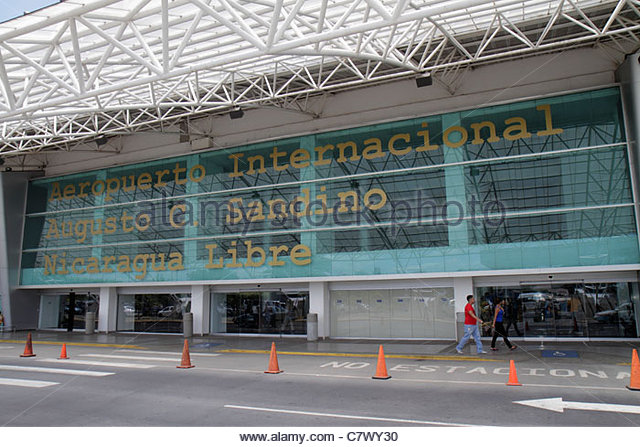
<point x="458" y="191"/>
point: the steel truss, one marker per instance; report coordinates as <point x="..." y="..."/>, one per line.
<point x="80" y="69"/>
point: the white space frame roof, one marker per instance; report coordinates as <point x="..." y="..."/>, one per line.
<point x="83" y="68"/>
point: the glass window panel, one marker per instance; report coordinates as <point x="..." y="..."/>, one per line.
<point x="595" y="223"/>
<point x="340" y="317"/>
<point x="380" y="309"/>
<point x="51" y="311"/>
<point x="586" y="119"/>
<point x="593" y="177"/>
<point x="358" y="313"/>
<point x="401" y="314"/>
<point x="444" y="312"/>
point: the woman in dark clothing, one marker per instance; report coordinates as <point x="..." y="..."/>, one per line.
<point x="498" y="328"/>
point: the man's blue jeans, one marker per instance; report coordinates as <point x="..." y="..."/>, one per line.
<point x="470" y="330"/>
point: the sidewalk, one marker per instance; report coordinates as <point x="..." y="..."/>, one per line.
<point x="600" y="352"/>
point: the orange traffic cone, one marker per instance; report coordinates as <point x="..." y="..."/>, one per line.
<point x="381" y="370"/>
<point x="28" y="349"/>
<point x="186" y="359"/>
<point x="63" y="352"/>
<point x="634" y="382"/>
<point x="273" y="361"/>
<point x="513" y="375"/>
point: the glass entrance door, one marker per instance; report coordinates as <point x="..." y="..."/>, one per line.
<point x="541" y="309"/>
<point x="264" y="312"/>
<point x="583" y="310"/>
<point x="534" y="310"/>
<point x="56" y="311"/>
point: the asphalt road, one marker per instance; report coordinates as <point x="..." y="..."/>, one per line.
<point x="144" y="388"/>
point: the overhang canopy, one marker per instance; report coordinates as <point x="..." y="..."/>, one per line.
<point x="78" y="69"/>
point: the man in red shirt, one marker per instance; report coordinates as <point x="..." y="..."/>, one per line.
<point x="470" y="327"/>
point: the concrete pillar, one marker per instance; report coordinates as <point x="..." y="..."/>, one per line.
<point x="200" y="308"/>
<point x="628" y="75"/>
<point x="108" y="310"/>
<point x="461" y="288"/>
<point x="319" y="304"/>
<point x="19" y="307"/>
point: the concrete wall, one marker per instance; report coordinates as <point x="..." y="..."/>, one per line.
<point x="19" y="307"/>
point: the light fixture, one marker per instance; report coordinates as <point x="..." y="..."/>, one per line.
<point x="101" y="140"/>
<point x="236" y="113"/>
<point x="424" y="81"/>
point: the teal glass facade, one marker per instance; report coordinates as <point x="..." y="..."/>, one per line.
<point x="534" y="184"/>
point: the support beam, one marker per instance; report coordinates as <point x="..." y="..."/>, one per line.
<point x="77" y="56"/>
<point x="165" y="36"/>
<point x="7" y="91"/>
<point x="175" y="61"/>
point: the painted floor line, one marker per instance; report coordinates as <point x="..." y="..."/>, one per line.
<point x="178" y="352"/>
<point x="133" y="357"/>
<point x="342" y="354"/>
<point x="59" y="343"/>
<point x="455" y="382"/>
<point x="71" y="372"/>
<point x="350" y="416"/>
<point x="92" y="363"/>
<point x="26" y="383"/>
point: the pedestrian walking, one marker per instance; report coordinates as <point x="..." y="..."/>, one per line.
<point x="498" y="327"/>
<point x="470" y="327"/>
<point x="512" y="316"/>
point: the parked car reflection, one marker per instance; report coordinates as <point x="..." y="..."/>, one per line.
<point x="167" y="311"/>
<point x="623" y="313"/>
<point x="536" y="305"/>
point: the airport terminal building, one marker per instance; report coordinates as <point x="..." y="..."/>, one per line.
<point x="378" y="204"/>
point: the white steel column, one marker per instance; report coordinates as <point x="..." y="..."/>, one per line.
<point x="319" y="304"/>
<point x="108" y="310"/>
<point x="200" y="307"/>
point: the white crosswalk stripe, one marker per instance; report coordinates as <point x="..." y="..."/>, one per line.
<point x="105" y="364"/>
<point x="71" y="372"/>
<point x="26" y="383"/>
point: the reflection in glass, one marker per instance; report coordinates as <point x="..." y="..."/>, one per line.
<point x="274" y="312"/>
<point x="54" y="311"/>
<point x="161" y="313"/>
<point x="565" y="310"/>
